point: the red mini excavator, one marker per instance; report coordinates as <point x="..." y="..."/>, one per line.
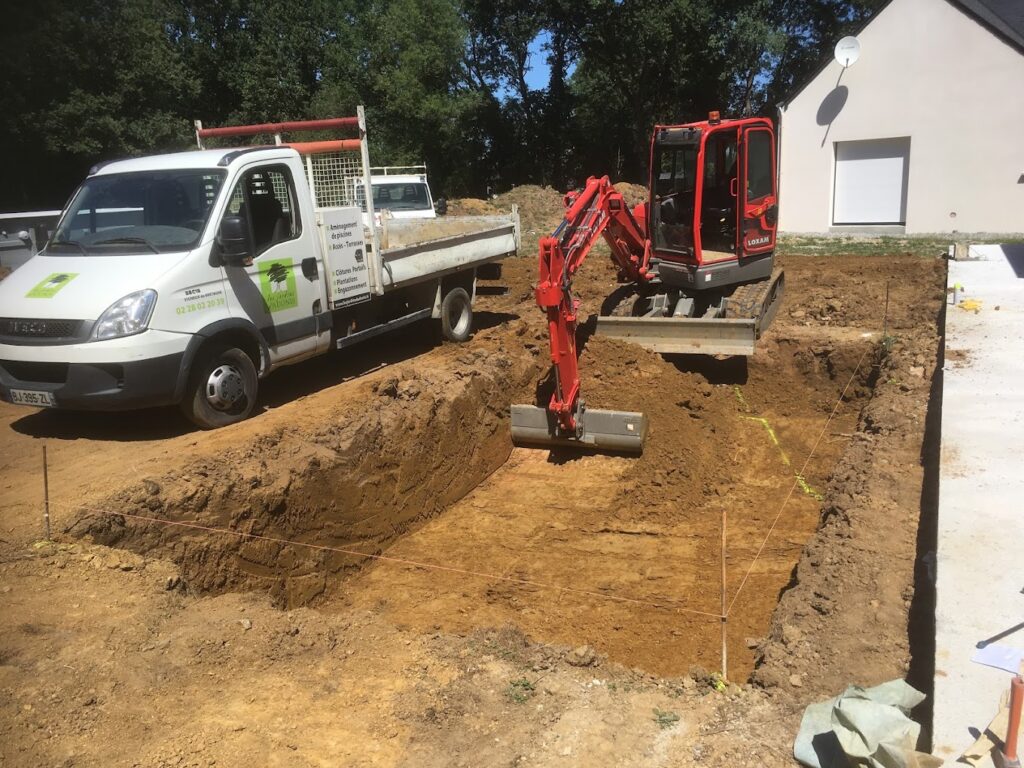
<point x="695" y="263"/>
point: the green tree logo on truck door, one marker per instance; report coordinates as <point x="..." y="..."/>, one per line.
<point x="277" y="284"/>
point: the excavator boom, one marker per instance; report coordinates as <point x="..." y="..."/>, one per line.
<point x="598" y="210"/>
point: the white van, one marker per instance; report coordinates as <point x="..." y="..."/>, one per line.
<point x="403" y="192"/>
<point x="186" y="278"/>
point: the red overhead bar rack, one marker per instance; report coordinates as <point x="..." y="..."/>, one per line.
<point x="318" y="147"/>
<point x="300" y="125"/>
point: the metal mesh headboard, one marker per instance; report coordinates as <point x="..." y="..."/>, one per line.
<point x="337" y="179"/>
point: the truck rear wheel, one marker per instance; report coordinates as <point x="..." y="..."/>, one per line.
<point x="222" y="387"/>
<point x="456" y="315"/>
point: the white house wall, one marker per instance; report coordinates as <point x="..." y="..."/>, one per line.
<point x="929" y="72"/>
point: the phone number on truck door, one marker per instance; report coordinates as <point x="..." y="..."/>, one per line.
<point x="199" y="306"/>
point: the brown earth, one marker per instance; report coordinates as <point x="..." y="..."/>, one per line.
<point x="634" y="194"/>
<point x="148" y="654"/>
<point x="540" y="209"/>
<point x="469" y="206"/>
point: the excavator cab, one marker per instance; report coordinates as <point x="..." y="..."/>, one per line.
<point x="713" y="201"/>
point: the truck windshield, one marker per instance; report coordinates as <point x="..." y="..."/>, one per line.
<point x="401" y="197"/>
<point x="675" y="180"/>
<point x="144" y="212"/>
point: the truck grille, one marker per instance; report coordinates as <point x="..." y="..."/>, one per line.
<point x="25" y="328"/>
<point x="30" y="372"/>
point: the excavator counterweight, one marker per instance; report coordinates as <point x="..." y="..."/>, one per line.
<point x="696" y="264"/>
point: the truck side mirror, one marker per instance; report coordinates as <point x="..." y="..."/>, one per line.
<point x="235" y="241"/>
<point x="441" y="206"/>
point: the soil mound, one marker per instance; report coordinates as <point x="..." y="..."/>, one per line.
<point x="357" y="477"/>
<point x="634" y="194"/>
<point x="472" y="206"/>
<point x="540" y="208"/>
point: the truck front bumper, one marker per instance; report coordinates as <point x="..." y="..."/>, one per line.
<point x="102" y="375"/>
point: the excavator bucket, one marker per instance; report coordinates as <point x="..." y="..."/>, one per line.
<point x="604" y="430"/>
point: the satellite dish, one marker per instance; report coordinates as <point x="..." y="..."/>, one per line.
<point x="847" y="51"/>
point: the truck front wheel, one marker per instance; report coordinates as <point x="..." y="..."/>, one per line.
<point x="222" y="387"/>
<point x="456" y="315"/>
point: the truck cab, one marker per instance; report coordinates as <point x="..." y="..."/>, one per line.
<point x="402" y="191"/>
<point x="186" y="278"/>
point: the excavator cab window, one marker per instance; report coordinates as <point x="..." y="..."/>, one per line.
<point x="675" y="177"/>
<point x="718" y="199"/>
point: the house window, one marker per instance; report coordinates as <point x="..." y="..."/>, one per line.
<point x="871" y="181"/>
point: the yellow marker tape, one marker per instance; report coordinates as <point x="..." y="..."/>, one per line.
<point x="806" y="487"/>
<point x="739" y="396"/>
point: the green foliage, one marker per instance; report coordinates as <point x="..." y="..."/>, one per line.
<point x="519" y="691"/>
<point x="665" y="719"/>
<point x="82" y="82"/>
<point x="444" y="81"/>
<point x="640" y="67"/>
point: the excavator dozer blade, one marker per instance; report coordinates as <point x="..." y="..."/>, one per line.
<point x="683" y="335"/>
<point x="603" y="430"/>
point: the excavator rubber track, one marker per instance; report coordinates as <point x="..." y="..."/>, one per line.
<point x="748" y="311"/>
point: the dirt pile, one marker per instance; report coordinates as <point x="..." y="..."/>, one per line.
<point x="356" y="478"/>
<point x="471" y="206"/>
<point x="634" y="194"/>
<point x="540" y="208"/>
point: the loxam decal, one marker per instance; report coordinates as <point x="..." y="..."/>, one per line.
<point x="277" y="284"/>
<point x="758" y="241"/>
<point x="49" y="286"/>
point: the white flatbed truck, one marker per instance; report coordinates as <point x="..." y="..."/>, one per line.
<point x="186" y="278"/>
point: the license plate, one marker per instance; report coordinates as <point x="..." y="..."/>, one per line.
<point x="30" y="397"/>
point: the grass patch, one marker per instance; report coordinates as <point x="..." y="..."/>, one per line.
<point x="665" y="719"/>
<point x="923" y="246"/>
<point x="520" y="690"/>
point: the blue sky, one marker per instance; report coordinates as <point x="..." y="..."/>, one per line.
<point x="537" y="69"/>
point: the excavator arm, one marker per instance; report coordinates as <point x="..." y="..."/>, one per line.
<point x="598" y="210"/>
<point x="595" y="211"/>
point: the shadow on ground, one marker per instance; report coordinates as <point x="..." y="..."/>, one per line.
<point x="283" y="386"/>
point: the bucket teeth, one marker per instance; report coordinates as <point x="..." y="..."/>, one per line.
<point x="606" y="430"/>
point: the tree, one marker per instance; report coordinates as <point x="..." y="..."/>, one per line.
<point x="642" y="65"/>
<point x="443" y="81"/>
<point x="97" y="80"/>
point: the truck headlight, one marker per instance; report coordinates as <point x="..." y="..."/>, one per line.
<point x="126" y="316"/>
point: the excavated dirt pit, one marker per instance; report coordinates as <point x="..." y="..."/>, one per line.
<point x="403" y="449"/>
<point x="622" y="554"/>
